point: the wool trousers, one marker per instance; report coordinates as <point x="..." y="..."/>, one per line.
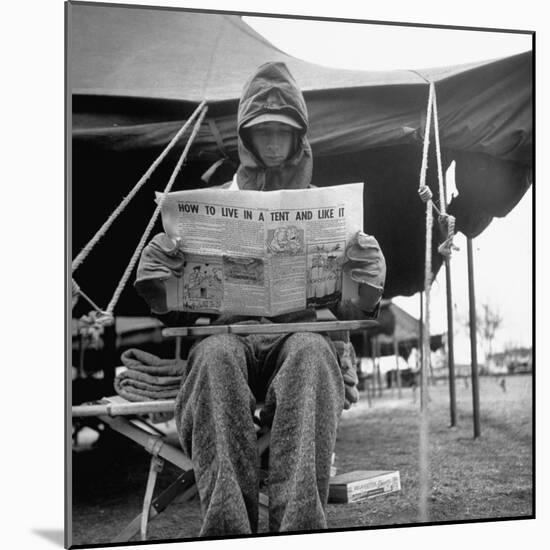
<point x="298" y="379"/>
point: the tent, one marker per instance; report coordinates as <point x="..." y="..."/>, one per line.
<point x="406" y="333"/>
<point x="135" y="74"/>
<point x="395" y="324"/>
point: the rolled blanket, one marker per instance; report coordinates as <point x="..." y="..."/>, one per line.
<point x="133" y="393"/>
<point x="142" y="361"/>
<point x="148" y="377"/>
<point x="131" y="383"/>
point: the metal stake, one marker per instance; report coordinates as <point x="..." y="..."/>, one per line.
<point x="473" y="339"/>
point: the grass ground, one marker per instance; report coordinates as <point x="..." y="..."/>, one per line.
<point x="489" y="477"/>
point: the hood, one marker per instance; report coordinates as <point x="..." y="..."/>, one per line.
<point x="272" y="89"/>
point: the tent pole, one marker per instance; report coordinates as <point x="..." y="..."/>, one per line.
<point x="421" y="327"/>
<point x="450" y="343"/>
<point x="373" y="357"/>
<point x="473" y="339"/>
<point x="110" y="358"/>
<point x="379" y="378"/>
<point x="421" y="349"/>
<point x="398" y="372"/>
<point x="450" y="329"/>
<point x="367" y="381"/>
<point x="368" y="385"/>
<point x="365" y="338"/>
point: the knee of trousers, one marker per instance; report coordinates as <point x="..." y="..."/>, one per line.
<point x="308" y="347"/>
<point x="220" y="353"/>
<point x="310" y="342"/>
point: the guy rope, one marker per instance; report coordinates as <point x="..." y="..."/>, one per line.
<point x="447" y="224"/>
<point x="99" y="318"/>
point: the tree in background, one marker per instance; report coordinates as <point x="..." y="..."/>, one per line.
<point x="491" y="321"/>
<point x="488" y="321"/>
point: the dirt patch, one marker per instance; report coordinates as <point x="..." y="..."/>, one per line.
<point x="489" y="477"/>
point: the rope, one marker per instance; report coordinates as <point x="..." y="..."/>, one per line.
<point x="91" y="326"/>
<point x="149" y="228"/>
<point x="442" y="198"/>
<point x="423" y="189"/>
<point x="447" y="246"/>
<point x="424" y="418"/>
<point x="78" y="290"/>
<point x="425" y="193"/>
<point x="426" y="196"/>
<point x="446" y="221"/>
<point x="213" y="52"/>
<point x="118" y="210"/>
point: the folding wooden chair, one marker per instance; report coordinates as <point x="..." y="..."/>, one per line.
<point x="127" y="418"/>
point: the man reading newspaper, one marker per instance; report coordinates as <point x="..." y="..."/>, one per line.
<point x="304" y="380"/>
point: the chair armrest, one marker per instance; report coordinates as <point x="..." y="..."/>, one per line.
<point x="268" y="328"/>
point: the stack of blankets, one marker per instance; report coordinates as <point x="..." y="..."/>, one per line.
<point x="146" y="377"/>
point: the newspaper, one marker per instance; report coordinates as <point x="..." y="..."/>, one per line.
<point x="262" y="253"/>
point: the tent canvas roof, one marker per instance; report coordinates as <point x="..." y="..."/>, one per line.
<point x="164" y="54"/>
<point x="181" y="56"/>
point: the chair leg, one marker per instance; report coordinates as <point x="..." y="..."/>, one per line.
<point x="156" y="466"/>
<point x="185" y="483"/>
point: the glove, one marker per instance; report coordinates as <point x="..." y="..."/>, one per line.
<point x="347" y="361"/>
<point x="161" y="259"/>
<point x="366" y="265"/>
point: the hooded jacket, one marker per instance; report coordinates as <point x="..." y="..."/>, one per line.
<point x="273" y="90"/>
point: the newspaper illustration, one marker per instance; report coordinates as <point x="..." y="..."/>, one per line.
<point x="262" y="253"/>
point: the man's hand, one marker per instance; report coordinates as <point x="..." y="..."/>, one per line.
<point x="347" y="361"/>
<point x="161" y="259"/>
<point x="366" y="265"/>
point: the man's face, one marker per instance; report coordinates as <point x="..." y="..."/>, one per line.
<point x="272" y="141"/>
